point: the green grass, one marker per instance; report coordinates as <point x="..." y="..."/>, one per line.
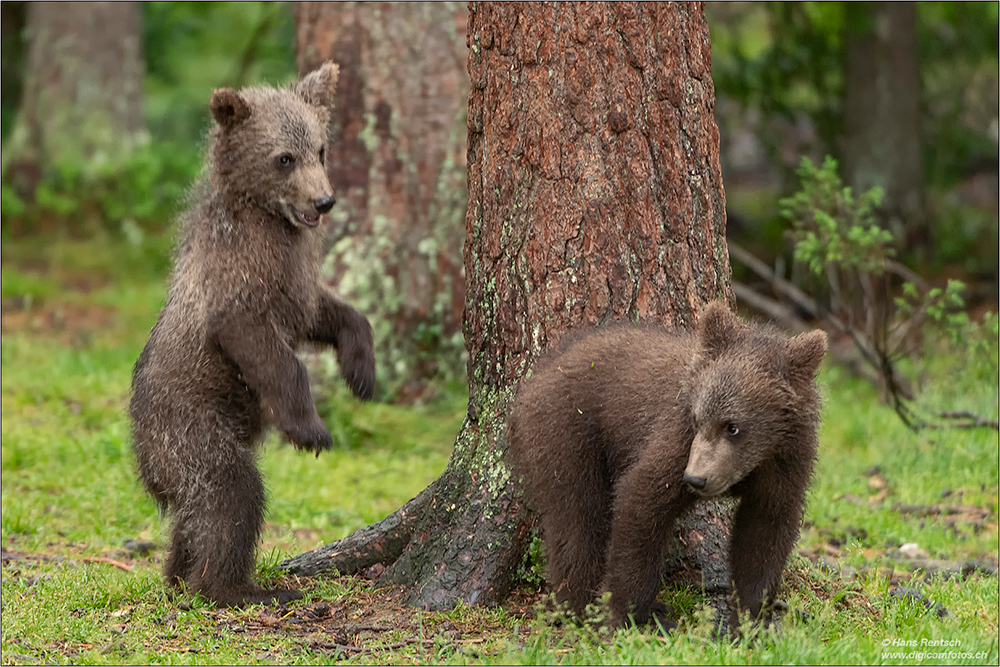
<point x="954" y="467"/>
<point x="76" y="315"/>
<point x="855" y="634"/>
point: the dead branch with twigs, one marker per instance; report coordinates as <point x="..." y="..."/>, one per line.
<point x="858" y="307"/>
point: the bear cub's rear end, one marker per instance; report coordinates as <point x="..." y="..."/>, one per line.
<point x="220" y="364"/>
<point x="622" y="430"/>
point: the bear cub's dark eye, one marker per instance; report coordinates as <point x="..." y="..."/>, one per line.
<point x="733" y="429"/>
<point x="286" y="161"/>
<point x="322" y="156"/>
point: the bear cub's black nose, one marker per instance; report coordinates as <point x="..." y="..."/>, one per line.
<point x="696" y="482"/>
<point x="324" y="204"/>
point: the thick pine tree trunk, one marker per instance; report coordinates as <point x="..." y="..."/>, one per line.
<point x="397" y="163"/>
<point x="82" y="95"/>
<point x="882" y="113"/>
<point x="595" y="195"/>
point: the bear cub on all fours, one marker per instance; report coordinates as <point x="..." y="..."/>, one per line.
<point x="220" y="364"/>
<point x="620" y="431"/>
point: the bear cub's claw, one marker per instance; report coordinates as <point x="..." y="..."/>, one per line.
<point x="279" y="596"/>
<point x="313" y="437"/>
<point x="362" y="381"/>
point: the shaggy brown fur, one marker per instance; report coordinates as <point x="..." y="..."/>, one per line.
<point x="623" y="429"/>
<point x="220" y="364"/>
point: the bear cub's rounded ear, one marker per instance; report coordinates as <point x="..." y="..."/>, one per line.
<point x="318" y="87"/>
<point x="717" y="328"/>
<point x="804" y="352"/>
<point x="228" y="108"/>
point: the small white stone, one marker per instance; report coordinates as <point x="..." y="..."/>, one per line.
<point x="912" y="550"/>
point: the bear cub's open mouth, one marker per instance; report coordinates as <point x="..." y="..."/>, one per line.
<point x="307" y="219"/>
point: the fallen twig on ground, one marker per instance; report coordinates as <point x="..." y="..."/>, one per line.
<point x="8" y="555"/>
<point x="109" y="561"/>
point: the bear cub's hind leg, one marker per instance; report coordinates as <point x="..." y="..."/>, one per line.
<point x="221" y="523"/>
<point x="178" y="566"/>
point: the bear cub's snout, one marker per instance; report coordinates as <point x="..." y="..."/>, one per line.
<point x="324" y="204"/>
<point x="695" y="482"/>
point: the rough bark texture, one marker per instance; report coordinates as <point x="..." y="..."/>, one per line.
<point x="595" y="195"/>
<point x="882" y="112"/>
<point x="397" y="163"/>
<point x="82" y="96"/>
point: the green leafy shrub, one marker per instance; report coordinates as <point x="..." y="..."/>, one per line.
<point x="887" y="310"/>
<point x="830" y="226"/>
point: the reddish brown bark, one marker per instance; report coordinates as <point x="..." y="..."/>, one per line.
<point x="595" y="195"/>
<point x="595" y="190"/>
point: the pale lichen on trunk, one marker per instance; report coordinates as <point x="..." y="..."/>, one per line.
<point x="397" y="164"/>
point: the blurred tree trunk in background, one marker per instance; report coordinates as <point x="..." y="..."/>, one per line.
<point x="82" y="89"/>
<point x="882" y="143"/>
<point x="595" y="195"/>
<point x="397" y="165"/>
<point x="12" y="22"/>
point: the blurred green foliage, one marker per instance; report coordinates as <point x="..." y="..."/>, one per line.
<point x="193" y="47"/>
<point x="786" y="59"/>
<point x="140" y="191"/>
<point x="851" y="272"/>
<point x="12" y="55"/>
<point x="958" y="44"/>
<point x="783" y="67"/>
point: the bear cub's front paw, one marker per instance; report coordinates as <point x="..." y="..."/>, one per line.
<point x="360" y="376"/>
<point x="313" y="436"/>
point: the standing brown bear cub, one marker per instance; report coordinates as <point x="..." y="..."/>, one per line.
<point x="220" y="364"/>
<point x="623" y="429"/>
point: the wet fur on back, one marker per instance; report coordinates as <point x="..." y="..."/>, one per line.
<point x="619" y="431"/>
<point x="220" y="364"/>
